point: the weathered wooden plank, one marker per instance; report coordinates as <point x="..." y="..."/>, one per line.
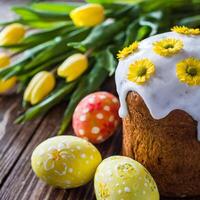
<point x="13" y="138"/>
<point x="21" y="172"/>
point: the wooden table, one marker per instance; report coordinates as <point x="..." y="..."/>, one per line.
<point x="17" y="180"/>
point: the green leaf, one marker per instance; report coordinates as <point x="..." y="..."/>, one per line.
<point x="28" y="13"/>
<point x="143" y="32"/>
<point x="131" y="33"/>
<point x="114" y="1"/>
<point x="38" y="24"/>
<point x="193" y="21"/>
<point x="55" y="7"/>
<point x="152" y="20"/>
<point x="101" y="34"/>
<point x="109" y="61"/>
<point x="5" y="23"/>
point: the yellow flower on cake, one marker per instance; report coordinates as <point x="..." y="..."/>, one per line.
<point x="141" y="71"/>
<point x="126" y="51"/>
<point x="168" y="46"/>
<point x="88" y="15"/>
<point x="185" y="30"/>
<point x="188" y="71"/>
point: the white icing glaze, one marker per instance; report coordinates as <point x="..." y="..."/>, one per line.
<point x="164" y="92"/>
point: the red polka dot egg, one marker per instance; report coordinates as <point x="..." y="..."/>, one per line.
<point x="96" y="117"/>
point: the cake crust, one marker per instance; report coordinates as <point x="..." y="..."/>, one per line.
<point x="167" y="147"/>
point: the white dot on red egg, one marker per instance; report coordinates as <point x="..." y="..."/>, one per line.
<point x="86" y="110"/>
<point x="95" y="130"/>
<point x="82" y="118"/>
<point x="114" y="100"/>
<point x="102" y="96"/>
<point x="91" y="100"/>
<point x="106" y="108"/>
<point x="81" y="132"/>
<point x="99" y="116"/>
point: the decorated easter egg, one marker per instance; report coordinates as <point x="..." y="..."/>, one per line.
<point x="96" y="117"/>
<point x="122" y="178"/>
<point x="65" y="161"/>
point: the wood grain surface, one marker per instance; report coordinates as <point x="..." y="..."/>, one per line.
<point x="17" y="180"/>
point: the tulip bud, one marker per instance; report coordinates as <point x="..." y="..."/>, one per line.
<point x="4" y="60"/>
<point x="73" y="67"/>
<point x="12" y="34"/>
<point x="88" y="15"/>
<point x="7" y="84"/>
<point x="39" y="87"/>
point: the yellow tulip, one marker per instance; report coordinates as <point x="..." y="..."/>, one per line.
<point x="4" y="60"/>
<point x="7" y="84"/>
<point x="39" y="87"/>
<point x="87" y="15"/>
<point x="12" y="34"/>
<point x="73" y="67"/>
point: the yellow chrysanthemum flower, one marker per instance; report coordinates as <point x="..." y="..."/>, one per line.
<point x="128" y="50"/>
<point x="185" y="30"/>
<point x="188" y="71"/>
<point x="141" y="71"/>
<point x="167" y="46"/>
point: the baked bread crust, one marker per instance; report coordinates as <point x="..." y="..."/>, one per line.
<point x="168" y="147"/>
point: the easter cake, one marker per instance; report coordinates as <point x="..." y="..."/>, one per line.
<point x="158" y="82"/>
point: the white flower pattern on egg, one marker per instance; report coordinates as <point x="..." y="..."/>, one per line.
<point x="61" y="158"/>
<point x="54" y="154"/>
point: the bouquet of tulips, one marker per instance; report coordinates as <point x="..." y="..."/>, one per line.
<point x="64" y="51"/>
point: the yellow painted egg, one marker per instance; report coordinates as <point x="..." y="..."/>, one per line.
<point x="65" y="161"/>
<point x="122" y="178"/>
